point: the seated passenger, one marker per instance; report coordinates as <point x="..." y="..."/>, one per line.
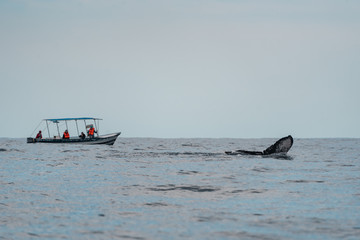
<point x="82" y="135"/>
<point x="39" y="135"/>
<point x="66" y="135"/>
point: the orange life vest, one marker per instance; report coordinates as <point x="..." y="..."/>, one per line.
<point x="66" y="135"/>
<point x="91" y="131"/>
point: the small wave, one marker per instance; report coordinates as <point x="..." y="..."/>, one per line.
<point x="15" y="150"/>
<point x="182" y="172"/>
<point x="156" y="204"/>
<point x="54" y="165"/>
<point x="131" y="214"/>
<point x="129" y="237"/>
<point x="192" y="188"/>
<point x="243" y="235"/>
<point x="113" y="151"/>
<point x="31" y="234"/>
<point x="93" y="232"/>
<point x="260" y="169"/>
<point x="219" y="217"/>
<point x="249" y="191"/>
<point x="190" y="145"/>
<point x="304" y="181"/>
<point x="209" y="219"/>
<point x="116" y="155"/>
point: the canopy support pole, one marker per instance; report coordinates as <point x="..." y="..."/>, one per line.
<point x="57" y="125"/>
<point x="77" y="127"/>
<point x="47" y="125"/>
<point x="96" y="129"/>
<point x="85" y="127"/>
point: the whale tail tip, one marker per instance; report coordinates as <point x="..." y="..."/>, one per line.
<point x="283" y="145"/>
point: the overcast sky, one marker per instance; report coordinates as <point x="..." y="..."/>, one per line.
<point x="186" y="68"/>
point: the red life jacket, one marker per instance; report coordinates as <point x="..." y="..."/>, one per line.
<point x="91" y="131"/>
<point x="66" y="135"/>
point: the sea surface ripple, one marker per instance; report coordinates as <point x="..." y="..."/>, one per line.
<point x="148" y="188"/>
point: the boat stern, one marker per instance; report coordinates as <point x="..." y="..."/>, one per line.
<point x="31" y="140"/>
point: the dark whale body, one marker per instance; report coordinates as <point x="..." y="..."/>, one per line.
<point x="282" y="145"/>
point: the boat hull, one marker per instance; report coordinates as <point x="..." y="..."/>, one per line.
<point x="105" y="139"/>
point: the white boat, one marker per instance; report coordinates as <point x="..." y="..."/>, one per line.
<point x="108" y="139"/>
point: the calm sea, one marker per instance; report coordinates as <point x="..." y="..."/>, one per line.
<point x="144" y="188"/>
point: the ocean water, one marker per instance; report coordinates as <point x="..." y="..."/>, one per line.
<point x="144" y="188"/>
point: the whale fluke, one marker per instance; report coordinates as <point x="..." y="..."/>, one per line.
<point x="282" y="145"/>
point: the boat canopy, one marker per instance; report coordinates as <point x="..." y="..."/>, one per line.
<point x="54" y="120"/>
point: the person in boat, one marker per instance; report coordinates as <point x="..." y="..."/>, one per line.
<point x="39" y="135"/>
<point x="91" y="132"/>
<point x="66" y="134"/>
<point x="82" y="135"/>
